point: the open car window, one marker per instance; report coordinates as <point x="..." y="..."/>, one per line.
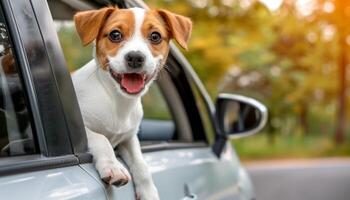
<point x="157" y="124"/>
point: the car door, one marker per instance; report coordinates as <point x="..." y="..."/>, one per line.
<point x="38" y="157"/>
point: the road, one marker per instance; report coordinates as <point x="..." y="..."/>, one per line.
<point x="320" y="179"/>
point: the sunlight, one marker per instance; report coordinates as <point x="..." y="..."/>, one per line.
<point x="272" y="4"/>
<point x="306" y="7"/>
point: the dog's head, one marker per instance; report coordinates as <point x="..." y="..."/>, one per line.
<point x="132" y="44"/>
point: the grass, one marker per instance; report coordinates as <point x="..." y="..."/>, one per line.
<point x="260" y="146"/>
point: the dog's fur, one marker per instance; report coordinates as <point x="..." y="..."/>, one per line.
<point x="112" y="113"/>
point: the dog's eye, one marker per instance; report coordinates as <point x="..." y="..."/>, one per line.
<point x="155" y="37"/>
<point x="115" y="36"/>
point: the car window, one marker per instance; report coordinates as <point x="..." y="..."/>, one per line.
<point x="16" y="136"/>
<point x="152" y="98"/>
<point x="157" y="124"/>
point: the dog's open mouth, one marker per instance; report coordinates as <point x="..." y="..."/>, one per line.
<point x="131" y="83"/>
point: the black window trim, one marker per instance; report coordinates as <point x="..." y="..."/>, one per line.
<point x="36" y="162"/>
<point x="68" y="99"/>
<point x="25" y="75"/>
<point x="47" y="158"/>
<point x="34" y="65"/>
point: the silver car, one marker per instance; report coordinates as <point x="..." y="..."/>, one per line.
<point x="43" y="143"/>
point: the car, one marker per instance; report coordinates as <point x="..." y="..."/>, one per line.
<point x="43" y="142"/>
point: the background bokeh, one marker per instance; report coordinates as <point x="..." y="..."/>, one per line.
<point x="292" y="55"/>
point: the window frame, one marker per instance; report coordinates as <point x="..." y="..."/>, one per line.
<point x="56" y="120"/>
<point x="179" y="78"/>
<point x="62" y="79"/>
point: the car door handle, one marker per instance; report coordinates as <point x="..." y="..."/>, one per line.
<point x="190" y="197"/>
<point x="188" y="194"/>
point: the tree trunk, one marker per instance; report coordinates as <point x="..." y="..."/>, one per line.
<point x="340" y="128"/>
<point x="303" y="119"/>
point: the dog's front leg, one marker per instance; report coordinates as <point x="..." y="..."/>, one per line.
<point x="106" y="163"/>
<point x="131" y="153"/>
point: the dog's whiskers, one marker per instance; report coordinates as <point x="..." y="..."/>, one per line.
<point x="106" y="66"/>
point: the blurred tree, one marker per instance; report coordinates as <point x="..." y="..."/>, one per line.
<point x="76" y="55"/>
<point x="341" y="20"/>
<point x="336" y="14"/>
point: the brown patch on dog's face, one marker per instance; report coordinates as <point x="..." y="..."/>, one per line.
<point x="120" y="20"/>
<point x="153" y="23"/>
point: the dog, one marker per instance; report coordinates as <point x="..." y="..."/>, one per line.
<point x="130" y="48"/>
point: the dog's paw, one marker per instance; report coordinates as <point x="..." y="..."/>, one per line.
<point x="147" y="192"/>
<point x="113" y="173"/>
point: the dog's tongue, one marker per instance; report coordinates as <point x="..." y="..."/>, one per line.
<point x="133" y="83"/>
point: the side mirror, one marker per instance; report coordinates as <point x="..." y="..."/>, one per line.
<point x="239" y="116"/>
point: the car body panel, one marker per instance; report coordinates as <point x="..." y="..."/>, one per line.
<point x="112" y="192"/>
<point x="197" y="169"/>
<point x="61" y="183"/>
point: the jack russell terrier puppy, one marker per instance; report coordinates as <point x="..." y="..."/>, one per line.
<point x="131" y="46"/>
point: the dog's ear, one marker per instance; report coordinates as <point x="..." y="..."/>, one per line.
<point x="179" y="26"/>
<point x="88" y="23"/>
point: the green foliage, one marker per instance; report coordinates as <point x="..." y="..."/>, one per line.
<point x="76" y="55"/>
<point x="154" y="97"/>
<point x="292" y="146"/>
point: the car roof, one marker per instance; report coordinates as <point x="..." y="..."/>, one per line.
<point x="65" y="9"/>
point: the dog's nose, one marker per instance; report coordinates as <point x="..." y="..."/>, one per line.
<point x="134" y="59"/>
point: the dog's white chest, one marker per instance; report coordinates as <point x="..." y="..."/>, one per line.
<point x="103" y="110"/>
